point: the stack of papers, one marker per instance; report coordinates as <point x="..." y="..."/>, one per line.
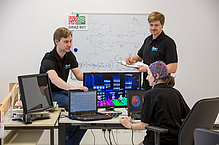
<point x="133" y="65"/>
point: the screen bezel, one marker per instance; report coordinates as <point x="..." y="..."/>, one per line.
<point x="23" y="95"/>
<point x="71" y="114"/>
<point x="112" y="73"/>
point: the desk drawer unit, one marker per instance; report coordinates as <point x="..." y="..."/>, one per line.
<point x="22" y="137"/>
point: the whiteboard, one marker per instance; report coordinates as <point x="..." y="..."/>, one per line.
<point x="108" y="39"/>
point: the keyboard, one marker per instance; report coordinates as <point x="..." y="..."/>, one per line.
<point x="90" y="117"/>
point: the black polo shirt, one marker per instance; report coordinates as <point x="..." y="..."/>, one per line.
<point x="163" y="48"/>
<point x="52" y="61"/>
<point x="164" y="107"/>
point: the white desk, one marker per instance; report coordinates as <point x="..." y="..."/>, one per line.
<point x="99" y="124"/>
<point x="36" y="124"/>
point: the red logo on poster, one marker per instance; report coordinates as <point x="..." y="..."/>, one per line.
<point x="72" y="20"/>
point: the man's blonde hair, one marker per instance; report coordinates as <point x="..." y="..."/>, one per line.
<point x="156" y="16"/>
<point x="61" y="32"/>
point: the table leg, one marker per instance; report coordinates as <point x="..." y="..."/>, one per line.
<point x="61" y="134"/>
<point x="52" y="136"/>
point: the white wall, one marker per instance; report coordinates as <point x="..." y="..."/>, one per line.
<point x="27" y="26"/>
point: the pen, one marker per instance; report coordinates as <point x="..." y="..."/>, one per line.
<point x="129" y="58"/>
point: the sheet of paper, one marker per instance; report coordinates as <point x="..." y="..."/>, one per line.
<point x="133" y="65"/>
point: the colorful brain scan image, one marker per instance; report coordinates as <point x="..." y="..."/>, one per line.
<point x="135" y="101"/>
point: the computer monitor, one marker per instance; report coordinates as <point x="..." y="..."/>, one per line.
<point x="35" y="93"/>
<point x="112" y="86"/>
<point x="135" y="99"/>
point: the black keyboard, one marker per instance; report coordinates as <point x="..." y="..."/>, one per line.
<point x="90" y="117"/>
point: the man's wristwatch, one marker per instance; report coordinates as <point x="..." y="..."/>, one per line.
<point x="130" y="126"/>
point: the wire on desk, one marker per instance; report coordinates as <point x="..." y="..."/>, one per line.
<point x="93" y="135"/>
<point x="114" y="138"/>
<point x="132" y="137"/>
<point x="110" y="137"/>
<point x="104" y="131"/>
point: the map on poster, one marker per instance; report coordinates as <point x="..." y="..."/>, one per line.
<point x="108" y="38"/>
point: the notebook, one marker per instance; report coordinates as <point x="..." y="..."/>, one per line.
<point x="135" y="100"/>
<point x="83" y="106"/>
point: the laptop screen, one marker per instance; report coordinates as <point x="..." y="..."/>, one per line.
<point x="81" y="102"/>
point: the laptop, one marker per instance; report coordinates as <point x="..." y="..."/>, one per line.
<point x="135" y="100"/>
<point x="83" y="106"/>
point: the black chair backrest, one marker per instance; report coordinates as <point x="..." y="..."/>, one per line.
<point x="206" y="137"/>
<point x="202" y="115"/>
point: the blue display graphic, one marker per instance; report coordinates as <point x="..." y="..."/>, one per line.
<point x="112" y="87"/>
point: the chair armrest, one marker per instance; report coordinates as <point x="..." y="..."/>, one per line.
<point x="156" y="129"/>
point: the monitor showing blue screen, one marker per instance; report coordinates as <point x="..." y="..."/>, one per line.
<point x="112" y="87"/>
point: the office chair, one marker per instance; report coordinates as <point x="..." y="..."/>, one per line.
<point x="206" y="137"/>
<point x="202" y="115"/>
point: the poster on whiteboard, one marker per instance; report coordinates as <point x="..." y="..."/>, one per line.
<point x="76" y="22"/>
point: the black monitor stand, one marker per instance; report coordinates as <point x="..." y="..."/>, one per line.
<point x="29" y="117"/>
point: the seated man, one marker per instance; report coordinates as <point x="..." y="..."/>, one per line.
<point x="163" y="106"/>
<point x="57" y="64"/>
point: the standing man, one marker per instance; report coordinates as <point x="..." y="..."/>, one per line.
<point x="157" y="47"/>
<point x="57" y="64"/>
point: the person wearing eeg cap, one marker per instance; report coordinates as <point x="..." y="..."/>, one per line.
<point x="159" y="70"/>
<point x="163" y="106"/>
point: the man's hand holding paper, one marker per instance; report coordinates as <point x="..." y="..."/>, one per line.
<point x="143" y="68"/>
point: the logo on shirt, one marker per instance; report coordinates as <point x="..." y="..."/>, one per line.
<point x="154" y="49"/>
<point x="67" y="66"/>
